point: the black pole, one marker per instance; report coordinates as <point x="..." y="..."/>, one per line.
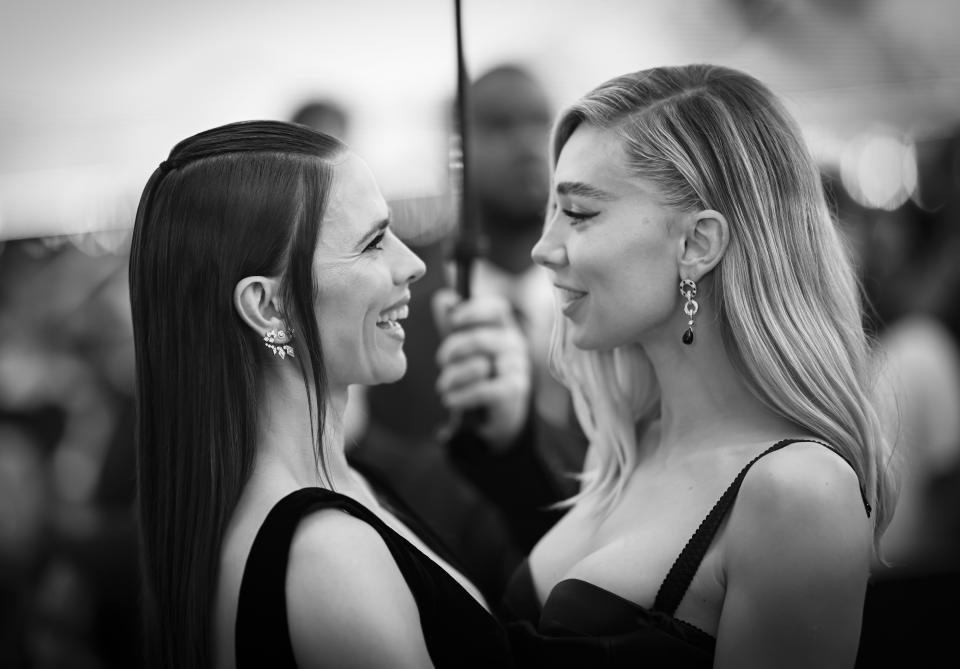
<point x="468" y="245"/>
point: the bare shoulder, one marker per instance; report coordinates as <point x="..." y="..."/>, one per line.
<point x="337" y="542"/>
<point x="804" y="497"/>
<point x="348" y="603"/>
<point x="796" y="559"/>
<point x="806" y="482"/>
<point x="808" y="474"/>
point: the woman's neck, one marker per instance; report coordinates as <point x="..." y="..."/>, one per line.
<point x="704" y="399"/>
<point x="287" y="439"/>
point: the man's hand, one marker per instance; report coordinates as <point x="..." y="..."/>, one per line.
<point x="484" y="362"/>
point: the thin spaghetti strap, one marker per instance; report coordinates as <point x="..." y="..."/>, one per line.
<point x="678" y="579"/>
<point x="863" y="492"/>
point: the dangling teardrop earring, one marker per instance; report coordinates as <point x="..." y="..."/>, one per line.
<point x="688" y="288"/>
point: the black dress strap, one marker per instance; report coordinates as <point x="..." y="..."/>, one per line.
<point x="262" y="633"/>
<point x="678" y="579"/>
<point x="458" y="630"/>
<point x="395" y="504"/>
<point x="262" y="637"/>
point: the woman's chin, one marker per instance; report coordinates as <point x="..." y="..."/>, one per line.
<point x="583" y="341"/>
<point x="389" y="372"/>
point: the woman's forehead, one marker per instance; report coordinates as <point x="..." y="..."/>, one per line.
<point x="356" y="202"/>
<point x="594" y="157"/>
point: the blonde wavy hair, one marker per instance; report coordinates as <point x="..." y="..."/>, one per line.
<point x="786" y="295"/>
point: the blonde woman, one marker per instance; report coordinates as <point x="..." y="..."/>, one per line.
<point x="736" y="486"/>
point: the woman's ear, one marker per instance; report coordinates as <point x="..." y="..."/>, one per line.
<point x="255" y="299"/>
<point x="705" y="239"/>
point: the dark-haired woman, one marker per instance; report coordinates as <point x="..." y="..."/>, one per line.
<point x="265" y="281"/>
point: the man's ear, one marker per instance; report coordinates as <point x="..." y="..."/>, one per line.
<point x="704" y="241"/>
<point x="255" y="299"/>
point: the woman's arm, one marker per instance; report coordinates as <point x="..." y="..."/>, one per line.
<point x="796" y="561"/>
<point x="347" y="601"/>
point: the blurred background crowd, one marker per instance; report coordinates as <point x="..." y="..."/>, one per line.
<point x="93" y="95"/>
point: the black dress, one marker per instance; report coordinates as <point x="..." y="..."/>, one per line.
<point x="584" y="625"/>
<point x="458" y="631"/>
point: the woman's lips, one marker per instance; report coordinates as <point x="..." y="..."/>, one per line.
<point x="570" y="298"/>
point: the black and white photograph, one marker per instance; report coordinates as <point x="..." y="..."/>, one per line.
<point x="452" y="334"/>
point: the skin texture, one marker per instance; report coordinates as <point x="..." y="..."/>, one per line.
<point x="796" y="559"/>
<point x="361" y="271"/>
<point x="618" y="241"/>
<point x="347" y="602"/>
<point x="783" y="582"/>
<point x="362" y="589"/>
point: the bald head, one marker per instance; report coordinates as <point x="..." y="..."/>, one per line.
<point x="510" y="128"/>
<point x="327" y="116"/>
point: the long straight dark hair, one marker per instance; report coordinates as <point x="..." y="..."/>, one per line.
<point x="245" y="199"/>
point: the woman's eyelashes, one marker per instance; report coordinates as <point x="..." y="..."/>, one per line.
<point x="573" y="215"/>
<point x="578" y="216"/>
<point x="376" y="244"/>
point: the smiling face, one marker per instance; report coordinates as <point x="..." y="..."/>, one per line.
<point x="363" y="273"/>
<point x="610" y="244"/>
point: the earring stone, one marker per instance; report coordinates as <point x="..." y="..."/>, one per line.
<point x="278" y="341"/>
<point x="688" y="289"/>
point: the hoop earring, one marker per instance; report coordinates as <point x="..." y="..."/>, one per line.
<point x="278" y="341"/>
<point x="688" y="288"/>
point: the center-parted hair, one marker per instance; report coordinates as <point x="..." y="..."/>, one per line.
<point x="785" y="292"/>
<point x="245" y="199"/>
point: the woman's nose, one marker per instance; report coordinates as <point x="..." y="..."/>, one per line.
<point x="411" y="267"/>
<point x="549" y="251"/>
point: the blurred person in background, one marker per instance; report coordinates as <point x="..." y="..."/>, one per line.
<point x="483" y="492"/>
<point x="326" y="114"/>
<point x="23" y="503"/>
<point x="942" y="493"/>
<point x="907" y="259"/>
<point x="66" y="377"/>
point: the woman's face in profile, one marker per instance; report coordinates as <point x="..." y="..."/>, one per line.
<point x="610" y="245"/>
<point x="363" y="272"/>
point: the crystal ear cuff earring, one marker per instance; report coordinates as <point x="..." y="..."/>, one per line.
<point x="278" y="341"/>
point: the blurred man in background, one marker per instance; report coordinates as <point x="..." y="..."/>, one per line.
<point x="510" y="119"/>
<point x="324" y="114"/>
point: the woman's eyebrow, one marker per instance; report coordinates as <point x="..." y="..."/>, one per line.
<point x="375" y="230"/>
<point x="583" y="190"/>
